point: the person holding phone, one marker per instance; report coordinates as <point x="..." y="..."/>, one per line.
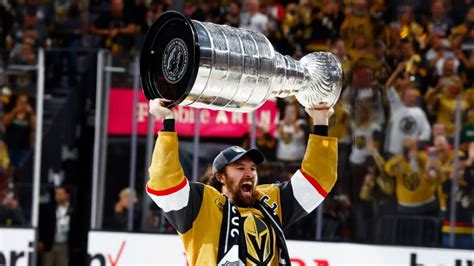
<point x="20" y="124"/>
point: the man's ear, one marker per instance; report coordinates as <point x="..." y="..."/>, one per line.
<point x="220" y="177"/>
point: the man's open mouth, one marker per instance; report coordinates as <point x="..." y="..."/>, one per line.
<point x="246" y="188"/>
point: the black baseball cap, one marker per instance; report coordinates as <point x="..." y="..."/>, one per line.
<point x="233" y="154"/>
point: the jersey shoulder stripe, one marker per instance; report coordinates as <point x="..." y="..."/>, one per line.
<point x="171" y="199"/>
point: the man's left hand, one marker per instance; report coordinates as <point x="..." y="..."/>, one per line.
<point x="320" y="116"/>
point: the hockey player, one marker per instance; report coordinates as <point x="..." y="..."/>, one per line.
<point x="243" y="223"/>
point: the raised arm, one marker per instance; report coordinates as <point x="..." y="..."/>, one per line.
<point x="167" y="186"/>
<point x="311" y="184"/>
<point x="166" y="173"/>
<point x="392" y="95"/>
<point x="393" y="78"/>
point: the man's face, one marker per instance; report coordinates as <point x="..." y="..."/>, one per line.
<point x="448" y="67"/>
<point x="340" y="49"/>
<point x="439" y="130"/>
<point x="239" y="182"/>
<point x="407" y="50"/>
<point x="117" y="8"/>
<point x="441" y="145"/>
<point x="409" y="98"/>
<point x="61" y="196"/>
<point x="437" y="9"/>
<point x="252" y="6"/>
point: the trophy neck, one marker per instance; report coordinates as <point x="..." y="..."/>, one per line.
<point x="290" y="77"/>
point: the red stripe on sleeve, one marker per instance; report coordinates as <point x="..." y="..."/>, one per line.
<point x="315" y="184"/>
<point x="167" y="191"/>
<point x="459" y="223"/>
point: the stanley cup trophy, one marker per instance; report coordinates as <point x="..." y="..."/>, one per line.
<point x="218" y="67"/>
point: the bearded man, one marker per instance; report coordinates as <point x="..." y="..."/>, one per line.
<point x="240" y="222"/>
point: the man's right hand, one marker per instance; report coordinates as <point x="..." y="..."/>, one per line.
<point x="158" y="110"/>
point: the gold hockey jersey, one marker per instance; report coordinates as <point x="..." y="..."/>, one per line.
<point x="195" y="209"/>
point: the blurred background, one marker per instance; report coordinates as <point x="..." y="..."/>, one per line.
<point x="76" y="139"/>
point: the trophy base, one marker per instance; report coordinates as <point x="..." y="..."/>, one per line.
<point x="169" y="64"/>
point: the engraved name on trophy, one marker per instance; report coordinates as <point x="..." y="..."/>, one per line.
<point x="205" y="65"/>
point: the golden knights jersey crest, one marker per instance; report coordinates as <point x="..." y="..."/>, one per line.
<point x="260" y="239"/>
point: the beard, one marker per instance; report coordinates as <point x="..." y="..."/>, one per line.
<point x="244" y="199"/>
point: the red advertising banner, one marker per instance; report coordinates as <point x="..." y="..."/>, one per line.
<point x="212" y="123"/>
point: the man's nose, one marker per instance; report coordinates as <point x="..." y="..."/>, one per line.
<point x="248" y="173"/>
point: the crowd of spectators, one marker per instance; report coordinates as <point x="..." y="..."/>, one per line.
<point x="17" y="126"/>
<point x="408" y="66"/>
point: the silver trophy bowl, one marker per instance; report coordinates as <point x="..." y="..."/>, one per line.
<point x="218" y="67"/>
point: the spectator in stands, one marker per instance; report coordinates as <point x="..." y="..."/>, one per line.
<point x="407" y="120"/>
<point x="438" y="21"/>
<point x="327" y="19"/>
<point x="23" y="53"/>
<point x="377" y="187"/>
<point x="442" y="101"/>
<point x="357" y="22"/>
<point x="364" y="92"/>
<point x="66" y="31"/>
<point x="252" y="18"/>
<point x="409" y="26"/>
<point x="464" y="199"/>
<point x="414" y="69"/>
<point x="446" y="64"/>
<point x="337" y="46"/>
<point x="336" y="218"/>
<point x="11" y="214"/>
<point x="391" y="38"/>
<point x="443" y="165"/>
<point x="383" y="69"/>
<point x="7" y="15"/>
<point x="437" y="47"/>
<point x="407" y="51"/>
<point x="439" y="129"/>
<point x="376" y="200"/>
<point x="291" y="136"/>
<point x="116" y="28"/>
<point x="232" y="14"/>
<point x="127" y="197"/>
<point x="293" y="28"/>
<point x="340" y="128"/>
<point x="55" y="227"/>
<point x="20" y="124"/>
<point x="31" y="25"/>
<point x="364" y="129"/>
<point x="360" y="49"/>
<point x="266" y="143"/>
<point x="137" y="10"/>
<point x="415" y="185"/>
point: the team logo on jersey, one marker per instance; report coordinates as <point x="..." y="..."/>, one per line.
<point x="360" y="142"/>
<point x="219" y="203"/>
<point x="411" y="181"/>
<point x="175" y="60"/>
<point x="408" y="125"/>
<point x="260" y="239"/>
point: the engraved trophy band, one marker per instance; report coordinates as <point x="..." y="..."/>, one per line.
<point x="219" y="67"/>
